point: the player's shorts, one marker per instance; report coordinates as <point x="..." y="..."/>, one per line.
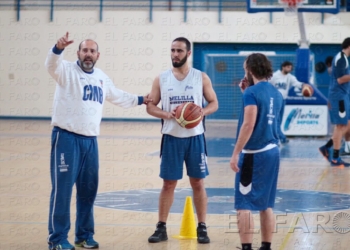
<point x="175" y="151"/>
<point x="256" y="182"/>
<point x="339" y="110"/>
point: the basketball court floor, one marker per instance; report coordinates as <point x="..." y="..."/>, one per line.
<point x="312" y="204"/>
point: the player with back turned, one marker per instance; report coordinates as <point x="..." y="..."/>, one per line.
<point x="174" y="87"/>
<point x="255" y="158"/>
<point x="81" y="90"/>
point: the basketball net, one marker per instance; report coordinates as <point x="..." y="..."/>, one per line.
<point x="291" y="9"/>
<point x="291" y="6"/>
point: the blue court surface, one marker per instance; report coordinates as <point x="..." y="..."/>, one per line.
<point x="296" y="149"/>
<point x="221" y="200"/>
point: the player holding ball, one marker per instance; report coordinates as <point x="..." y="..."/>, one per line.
<point x="283" y="80"/>
<point x="178" y="85"/>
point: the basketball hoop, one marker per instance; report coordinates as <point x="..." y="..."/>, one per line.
<point x="291" y="6"/>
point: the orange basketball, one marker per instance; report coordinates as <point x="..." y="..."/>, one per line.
<point x="188" y="115"/>
<point x="307" y="90"/>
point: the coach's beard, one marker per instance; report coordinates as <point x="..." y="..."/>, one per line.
<point x="87" y="65"/>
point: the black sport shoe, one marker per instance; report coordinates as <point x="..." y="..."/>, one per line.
<point x="159" y="235"/>
<point x="202" y="235"/>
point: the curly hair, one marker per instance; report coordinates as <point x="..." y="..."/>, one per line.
<point x="259" y="66"/>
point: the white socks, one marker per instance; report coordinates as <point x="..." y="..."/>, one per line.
<point x="347" y="147"/>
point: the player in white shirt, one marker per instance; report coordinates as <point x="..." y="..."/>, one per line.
<point x="81" y="91"/>
<point x="172" y="88"/>
<point x="283" y="80"/>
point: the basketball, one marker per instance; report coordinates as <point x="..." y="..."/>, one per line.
<point x="307" y="90"/>
<point x="188" y="115"/>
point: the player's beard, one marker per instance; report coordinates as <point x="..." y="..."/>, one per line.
<point x="180" y="63"/>
<point x="250" y="79"/>
<point x="87" y="65"/>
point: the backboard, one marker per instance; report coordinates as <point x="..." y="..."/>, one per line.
<point x="322" y="6"/>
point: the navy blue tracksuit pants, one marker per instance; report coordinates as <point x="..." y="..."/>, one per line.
<point x="74" y="160"/>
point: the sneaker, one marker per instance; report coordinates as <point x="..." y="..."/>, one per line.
<point x="344" y="153"/>
<point x="202" y="235"/>
<point x="325" y="152"/>
<point x="89" y="243"/>
<point x="159" y="235"/>
<point x="62" y="246"/>
<point x="339" y="163"/>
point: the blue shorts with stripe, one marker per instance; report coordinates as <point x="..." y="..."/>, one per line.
<point x="175" y="151"/>
<point x="339" y="110"/>
<point x="256" y="182"/>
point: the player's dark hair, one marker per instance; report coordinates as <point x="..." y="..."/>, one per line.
<point x="87" y="40"/>
<point x="328" y="61"/>
<point x="346" y="43"/>
<point x="184" y="40"/>
<point x="286" y="63"/>
<point x="259" y="66"/>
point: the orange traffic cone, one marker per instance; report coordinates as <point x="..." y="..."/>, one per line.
<point x="188" y="223"/>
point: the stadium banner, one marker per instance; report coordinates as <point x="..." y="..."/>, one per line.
<point x="309" y="120"/>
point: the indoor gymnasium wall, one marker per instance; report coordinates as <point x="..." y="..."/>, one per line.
<point x="133" y="50"/>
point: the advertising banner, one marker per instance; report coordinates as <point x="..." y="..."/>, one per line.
<point x="305" y="120"/>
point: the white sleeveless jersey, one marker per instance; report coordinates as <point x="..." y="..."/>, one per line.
<point x="174" y="92"/>
<point x="79" y="96"/>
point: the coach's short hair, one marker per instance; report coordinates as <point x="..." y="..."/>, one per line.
<point x="184" y="40"/>
<point x="346" y="43"/>
<point x="259" y="66"/>
<point x="86" y="41"/>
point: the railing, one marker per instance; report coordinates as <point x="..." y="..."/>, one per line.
<point x="148" y="5"/>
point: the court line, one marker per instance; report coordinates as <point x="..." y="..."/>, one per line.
<point x="48" y="136"/>
<point x="133" y="225"/>
<point x="292" y="227"/>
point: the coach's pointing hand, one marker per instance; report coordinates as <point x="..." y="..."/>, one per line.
<point x="63" y="42"/>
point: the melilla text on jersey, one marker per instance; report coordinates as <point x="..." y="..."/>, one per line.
<point x="181" y="99"/>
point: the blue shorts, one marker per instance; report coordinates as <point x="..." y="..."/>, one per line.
<point x="339" y="110"/>
<point x="175" y="151"/>
<point x="256" y="182"/>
